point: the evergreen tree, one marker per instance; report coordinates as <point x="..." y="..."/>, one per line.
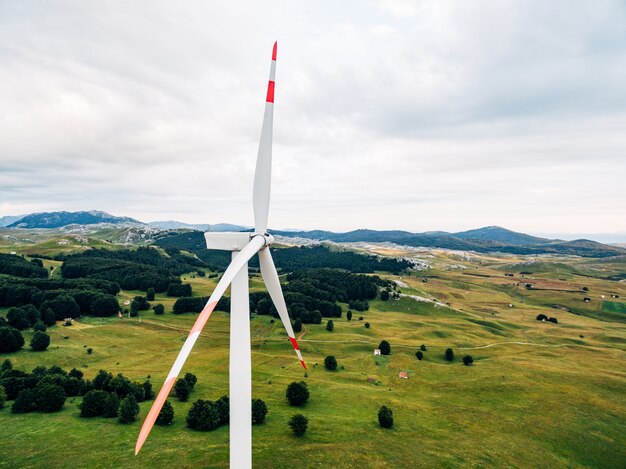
<point x="129" y="410"/>
<point x="468" y="360"/>
<point x="24" y="402"/>
<point x="49" y="397"/>
<point x="330" y="363"/>
<point x="94" y="403"/>
<point x="166" y="415"/>
<point x="299" y="424"/>
<point x="181" y="389"/>
<point x="48" y="317"/>
<point x="349" y="315"/>
<point x="330" y="325"/>
<point x="419" y="354"/>
<point x="203" y="416"/>
<point x="158" y="309"/>
<point x="385" y="348"/>
<point x="10" y="340"/>
<point x="259" y="411"/>
<point x="191" y="380"/>
<point x="150" y="294"/>
<point x="111" y="406"/>
<point x="223" y="409"/>
<point x="74" y="373"/>
<point x="385" y="417"/>
<point x="423" y="348"/>
<point x="297" y="393"/>
<point x="147" y="390"/>
<point x="384" y="295"/>
<point x="297" y="325"/>
<point x="40" y="341"/>
<point x="449" y="354"/>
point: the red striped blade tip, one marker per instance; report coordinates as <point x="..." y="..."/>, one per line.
<point x="274" y="50"/>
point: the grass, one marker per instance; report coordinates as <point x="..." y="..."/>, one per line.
<point x="538" y="394"/>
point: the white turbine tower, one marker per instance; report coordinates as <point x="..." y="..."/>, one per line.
<point x="243" y="247"/>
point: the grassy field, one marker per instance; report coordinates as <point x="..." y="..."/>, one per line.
<point x="538" y="394"/>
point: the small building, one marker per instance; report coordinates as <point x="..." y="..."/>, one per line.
<point x="377" y="351"/>
<point x="403" y="375"/>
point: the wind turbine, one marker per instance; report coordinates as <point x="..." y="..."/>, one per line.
<point x="243" y="246"/>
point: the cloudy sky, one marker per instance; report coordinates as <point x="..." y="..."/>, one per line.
<point x="390" y="114"/>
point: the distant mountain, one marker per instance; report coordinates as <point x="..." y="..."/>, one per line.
<point x="488" y="239"/>
<point x="10" y="219"/>
<point x="59" y="219"/>
<point x="501" y="235"/>
<point x="175" y="225"/>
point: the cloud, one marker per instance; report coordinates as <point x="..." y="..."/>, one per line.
<point x="391" y="114"/>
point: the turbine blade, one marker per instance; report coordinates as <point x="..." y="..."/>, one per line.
<point x="235" y="266"/>
<point x="263" y="173"/>
<point x="270" y="277"/>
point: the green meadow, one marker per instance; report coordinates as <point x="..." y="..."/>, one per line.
<point x="538" y="394"/>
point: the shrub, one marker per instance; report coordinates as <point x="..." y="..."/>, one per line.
<point x="89" y="351"/>
<point x="223" y="409"/>
<point x="299" y="424"/>
<point x="468" y="360"/>
<point x="330" y="325"/>
<point x="449" y="354"/>
<point x="297" y="393"/>
<point x="419" y="354"/>
<point x="129" y="410"/>
<point x="385" y="417"/>
<point x="40" y="341"/>
<point x="191" y="380"/>
<point x="49" y="397"/>
<point x="181" y="389"/>
<point x="24" y="402"/>
<point x="553" y="320"/>
<point x="166" y="415"/>
<point x="542" y="317"/>
<point x="259" y="411"/>
<point x="385" y="348"/>
<point x="203" y="416"/>
<point x="94" y="403"/>
<point x="330" y="363"/>
<point x="384" y="295"/>
<point x="39" y="326"/>
<point x="158" y="309"/>
<point x="10" y="339"/>
<point x="367" y="325"/>
<point x="423" y="348"/>
<point x="349" y="315"/>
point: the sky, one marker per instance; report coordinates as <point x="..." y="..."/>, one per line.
<point x="389" y="114"/>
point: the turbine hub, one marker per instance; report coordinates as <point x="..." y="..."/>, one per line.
<point x="267" y="238"/>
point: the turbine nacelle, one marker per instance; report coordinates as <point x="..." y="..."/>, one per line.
<point x="230" y="241"/>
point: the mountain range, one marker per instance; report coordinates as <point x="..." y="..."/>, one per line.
<point x="487" y="239"/>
